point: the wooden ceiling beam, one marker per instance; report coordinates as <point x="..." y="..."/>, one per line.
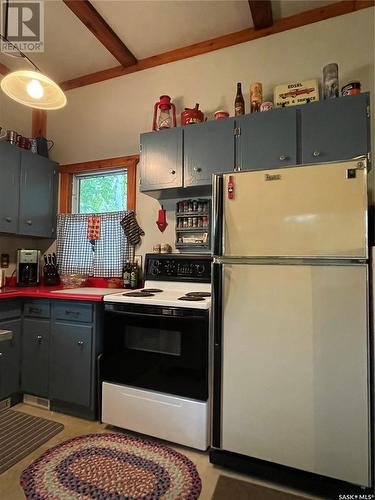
<point x="91" y="18"/>
<point x="261" y="12"/>
<point x="280" y="25"/>
<point x="4" y="70"/>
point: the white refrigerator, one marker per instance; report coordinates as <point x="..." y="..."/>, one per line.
<point x="290" y="318"/>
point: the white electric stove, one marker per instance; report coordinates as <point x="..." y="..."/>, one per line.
<point x="154" y="368"/>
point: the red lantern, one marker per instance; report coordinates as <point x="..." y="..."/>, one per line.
<point x="164" y="120"/>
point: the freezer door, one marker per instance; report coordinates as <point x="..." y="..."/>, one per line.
<point x="305" y="211"/>
<point x="295" y="369"/>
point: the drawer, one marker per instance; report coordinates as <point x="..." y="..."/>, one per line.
<point x="37" y="308"/>
<point x="10" y="309"/>
<point x="73" y="311"/>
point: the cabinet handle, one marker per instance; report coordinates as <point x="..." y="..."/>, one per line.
<point x="35" y="310"/>
<point x="80" y="343"/>
<point x="283" y="157"/>
<point x="29" y="222"/>
<point x="316" y="153"/>
<point x="39" y="339"/>
<point x="197" y="169"/>
<point x="6" y="335"/>
<point x="71" y="313"/>
<point x="172" y="171"/>
<point x="8" y="219"/>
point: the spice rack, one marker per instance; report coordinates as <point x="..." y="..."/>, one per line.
<point x="193" y="223"/>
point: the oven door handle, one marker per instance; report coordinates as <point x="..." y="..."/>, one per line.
<point x="145" y="315"/>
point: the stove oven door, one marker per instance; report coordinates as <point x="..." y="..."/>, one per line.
<point x="157" y="348"/>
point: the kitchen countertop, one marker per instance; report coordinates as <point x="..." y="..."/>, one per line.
<point x="54" y="292"/>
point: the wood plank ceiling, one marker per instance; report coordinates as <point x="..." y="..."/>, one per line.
<point x="261" y="22"/>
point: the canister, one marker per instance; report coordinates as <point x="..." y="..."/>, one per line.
<point x="331" y="81"/>
<point x="256" y="95"/>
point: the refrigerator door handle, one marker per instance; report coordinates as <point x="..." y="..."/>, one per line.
<point x="216" y="316"/>
<point x="217" y="226"/>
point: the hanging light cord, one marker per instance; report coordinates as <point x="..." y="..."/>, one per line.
<point x="22" y="54"/>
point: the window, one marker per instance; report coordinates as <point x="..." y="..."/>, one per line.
<point x="96" y="186"/>
<point x="100" y="191"/>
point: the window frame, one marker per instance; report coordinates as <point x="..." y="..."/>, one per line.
<point x="67" y="172"/>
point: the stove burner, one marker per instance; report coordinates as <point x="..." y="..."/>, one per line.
<point x="198" y="294"/>
<point x="151" y="290"/>
<point x="191" y="298"/>
<point x="138" y="294"/>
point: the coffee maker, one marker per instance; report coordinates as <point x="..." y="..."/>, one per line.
<point x="28" y="267"/>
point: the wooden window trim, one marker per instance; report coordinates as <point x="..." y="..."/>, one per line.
<point x="67" y="172"/>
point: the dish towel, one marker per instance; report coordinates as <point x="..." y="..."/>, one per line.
<point x="131" y="229"/>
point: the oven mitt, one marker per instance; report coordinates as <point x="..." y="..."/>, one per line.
<point x="131" y="229"/>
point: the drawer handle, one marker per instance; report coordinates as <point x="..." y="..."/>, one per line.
<point x="316" y="153"/>
<point x="8" y="219"/>
<point x="71" y="313"/>
<point x="283" y="157"/>
<point x="197" y="169"/>
<point x="29" y="222"/>
<point x="6" y="335"/>
<point x="172" y="172"/>
<point x="1" y="354"/>
<point x="80" y="343"/>
<point x="35" y="310"/>
<point x="39" y="339"/>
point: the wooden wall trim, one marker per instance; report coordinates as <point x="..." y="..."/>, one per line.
<point x="93" y="21"/>
<point x="67" y="171"/>
<point x="39" y="123"/>
<point x="284" y="24"/>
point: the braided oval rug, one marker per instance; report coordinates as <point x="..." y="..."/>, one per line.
<point x="111" y="466"/>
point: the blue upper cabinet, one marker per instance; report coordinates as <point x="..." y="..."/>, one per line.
<point x="208" y="149"/>
<point x="267" y="140"/>
<point x="161" y="159"/>
<point x="335" y="129"/>
<point x="38" y="195"/>
<point x="9" y="187"/>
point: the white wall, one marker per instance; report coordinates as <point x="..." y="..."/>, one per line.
<point x="105" y="120"/>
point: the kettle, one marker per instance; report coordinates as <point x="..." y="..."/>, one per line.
<point x="192" y="115"/>
<point x="43" y="146"/>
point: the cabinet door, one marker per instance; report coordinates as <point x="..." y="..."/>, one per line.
<point x="10" y="359"/>
<point x="37" y="195"/>
<point x="335" y="129"/>
<point x="161" y="159"/>
<point x="70" y="363"/>
<point x="9" y="187"/>
<point x="208" y="149"/>
<point x="35" y="352"/>
<point x="267" y="140"/>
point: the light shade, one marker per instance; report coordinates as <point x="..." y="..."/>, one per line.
<point x="33" y="89"/>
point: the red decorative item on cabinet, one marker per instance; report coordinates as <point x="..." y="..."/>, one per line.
<point x="192" y="115"/>
<point x="164" y="120"/>
<point x="162" y="219"/>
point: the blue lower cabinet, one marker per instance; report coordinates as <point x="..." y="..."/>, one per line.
<point x="70" y="363"/>
<point x="35" y="357"/>
<point x="10" y="348"/>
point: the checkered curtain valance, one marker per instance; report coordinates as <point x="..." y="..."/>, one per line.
<point x="103" y="258"/>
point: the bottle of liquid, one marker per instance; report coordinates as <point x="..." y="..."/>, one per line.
<point x="134" y="276"/>
<point x="239" y="103"/>
<point x="126" y="274"/>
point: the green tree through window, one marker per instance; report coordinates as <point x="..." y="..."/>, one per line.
<point x="102" y="193"/>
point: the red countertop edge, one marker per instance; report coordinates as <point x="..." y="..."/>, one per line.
<point x="46" y="293"/>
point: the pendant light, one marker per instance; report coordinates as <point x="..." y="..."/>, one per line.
<point x="31" y="88"/>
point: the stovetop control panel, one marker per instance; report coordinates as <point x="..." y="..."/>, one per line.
<point x="178" y="267"/>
